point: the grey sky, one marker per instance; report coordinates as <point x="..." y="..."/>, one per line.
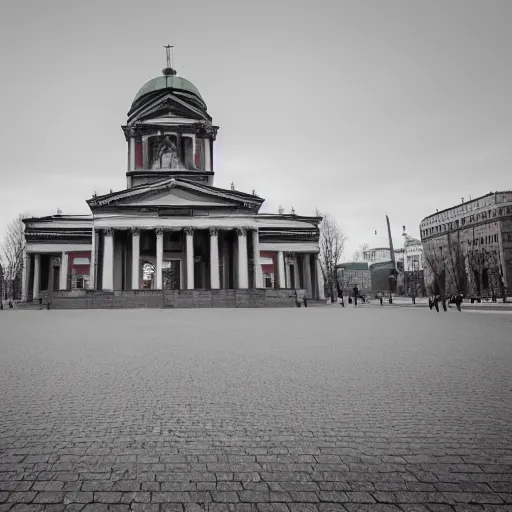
<point x="359" y="107"/>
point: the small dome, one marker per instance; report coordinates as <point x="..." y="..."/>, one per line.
<point x="169" y="82"/>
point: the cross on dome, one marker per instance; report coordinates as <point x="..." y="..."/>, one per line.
<point x="169" y="70"/>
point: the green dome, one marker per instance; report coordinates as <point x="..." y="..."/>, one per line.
<point x="169" y="82"/>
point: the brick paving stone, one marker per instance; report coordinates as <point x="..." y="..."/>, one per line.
<point x="254" y="496"/>
<point x="267" y="412"/>
<point x="225" y="497"/>
<point x="20" y="497"/>
<point x="49" y="497"/>
<point x="145" y="507"/>
<point x="74" y="507"/>
<point x="78" y="497"/>
<point x="272" y="507"/>
<point x="171" y="507"/>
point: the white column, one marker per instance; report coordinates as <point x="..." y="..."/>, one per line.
<point x="190" y="258"/>
<point x="307" y="275"/>
<point x="281" y="271"/>
<point x="320" y="280"/>
<point x="37" y="276"/>
<point x="135" y="258"/>
<point x="92" y="265"/>
<point x="214" y="259"/>
<point x="24" y="276"/>
<point x="207" y="155"/>
<point x="108" y="260"/>
<point x="258" y="276"/>
<point x="159" y="257"/>
<point x="243" y="270"/>
<point x="132" y="153"/>
<point x="193" y="136"/>
<point x="63" y="278"/>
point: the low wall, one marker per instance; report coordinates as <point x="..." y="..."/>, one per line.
<point x="253" y="298"/>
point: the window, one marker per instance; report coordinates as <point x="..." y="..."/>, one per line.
<point x="267" y="280"/>
<point x="81" y="261"/>
<point x="496" y="238"/>
<point x="80" y="283"/>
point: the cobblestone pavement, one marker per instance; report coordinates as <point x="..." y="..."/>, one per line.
<point x="292" y="410"/>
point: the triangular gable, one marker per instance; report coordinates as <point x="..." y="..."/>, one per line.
<point x="171" y="104"/>
<point x="176" y="192"/>
<point x="174" y="197"/>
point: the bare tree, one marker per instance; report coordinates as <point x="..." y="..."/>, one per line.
<point x="332" y="244"/>
<point x="358" y="255"/>
<point x="11" y="253"/>
<point x="436" y="265"/>
<point x="485" y="271"/>
<point x="456" y="267"/>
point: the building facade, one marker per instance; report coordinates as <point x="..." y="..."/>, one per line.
<point x="468" y="248"/>
<point x="413" y="253"/>
<point x="380" y="254"/>
<point x="354" y="274"/>
<point x="171" y="228"/>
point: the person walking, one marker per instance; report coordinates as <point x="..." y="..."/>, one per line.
<point x="356" y="293"/>
<point x="436" y="302"/>
<point x="458" y="300"/>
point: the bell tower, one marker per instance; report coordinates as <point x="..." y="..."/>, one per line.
<point x="169" y="131"/>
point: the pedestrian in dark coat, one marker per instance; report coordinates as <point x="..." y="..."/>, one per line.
<point x="458" y="301"/>
<point x="436" y="303"/>
<point x="356" y="293"/>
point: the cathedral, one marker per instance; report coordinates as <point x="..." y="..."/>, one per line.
<point x="171" y="228"/>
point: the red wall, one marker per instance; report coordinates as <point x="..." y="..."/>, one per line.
<point x="139" y="160"/>
<point x="269" y="269"/>
<point x="79" y="269"/>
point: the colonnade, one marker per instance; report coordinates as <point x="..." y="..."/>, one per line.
<point x="242" y="255"/>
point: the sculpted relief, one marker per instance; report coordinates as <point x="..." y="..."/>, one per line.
<point x="164" y="153"/>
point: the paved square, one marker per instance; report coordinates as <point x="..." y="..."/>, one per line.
<point x="318" y="409"/>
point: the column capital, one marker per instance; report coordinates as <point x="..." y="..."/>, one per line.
<point x="241" y="231"/>
<point x="135" y="231"/>
<point x="189" y="231"/>
<point x="214" y="231"/>
<point x="159" y="231"/>
<point x="108" y="231"/>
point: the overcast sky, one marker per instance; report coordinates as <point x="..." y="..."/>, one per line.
<point x="360" y="108"/>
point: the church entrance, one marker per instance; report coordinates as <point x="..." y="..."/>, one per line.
<point x="171" y="274"/>
<point x="292" y="276"/>
<point x="147" y="275"/>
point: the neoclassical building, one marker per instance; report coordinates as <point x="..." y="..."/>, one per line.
<point x="171" y="228"/>
<point x="468" y="247"/>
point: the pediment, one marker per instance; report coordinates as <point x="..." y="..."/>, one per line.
<point x="177" y="193"/>
<point x="167" y="105"/>
<point x="174" y="197"/>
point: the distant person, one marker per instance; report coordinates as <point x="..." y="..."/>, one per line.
<point x="1" y="305"/>
<point x="430" y="303"/>
<point x="381" y="299"/>
<point x="40" y="303"/>
<point x="458" y="300"/>
<point x="10" y="304"/>
<point x="436" y="302"/>
<point x="356" y="293"/>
